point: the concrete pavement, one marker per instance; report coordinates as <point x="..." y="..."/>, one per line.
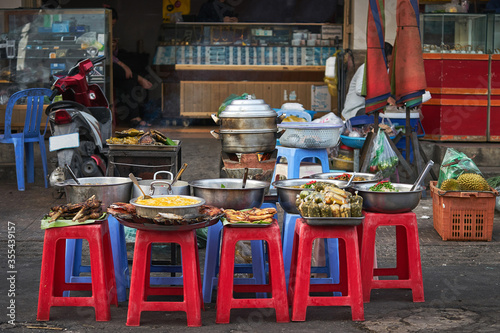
<point x="461" y="279"/>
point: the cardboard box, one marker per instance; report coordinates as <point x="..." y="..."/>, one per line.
<point x="320" y="98"/>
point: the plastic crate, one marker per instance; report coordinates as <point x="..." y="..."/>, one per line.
<point x="463" y="216"/>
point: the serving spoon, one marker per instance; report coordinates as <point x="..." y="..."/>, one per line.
<point x="245" y="177"/>
<point x="136" y="183"/>
<point x="178" y="175"/>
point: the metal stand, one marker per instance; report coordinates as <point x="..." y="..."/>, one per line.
<point x="419" y="160"/>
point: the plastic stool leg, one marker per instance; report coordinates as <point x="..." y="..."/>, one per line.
<point x="191" y="282"/>
<point x="29" y="150"/>
<point x="287" y="239"/>
<point x="302" y="279"/>
<point x="139" y="280"/>
<point x="211" y="261"/>
<point x="119" y="251"/>
<point x="278" y="282"/>
<point x="332" y="245"/>
<point x="354" y="276"/>
<point x="43" y="154"/>
<point x="226" y="280"/>
<point x="69" y="263"/>
<point x="258" y="264"/>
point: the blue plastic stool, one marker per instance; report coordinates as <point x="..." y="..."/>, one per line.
<point x="331" y="254"/>
<point x="211" y="269"/>
<point x="295" y="155"/>
<point x="118" y="246"/>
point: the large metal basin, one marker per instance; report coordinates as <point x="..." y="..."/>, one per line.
<point x="370" y="178"/>
<point x="106" y="189"/>
<point x="287" y="194"/>
<point x="390" y="202"/>
<point x="152" y="211"/>
<point x="230" y="195"/>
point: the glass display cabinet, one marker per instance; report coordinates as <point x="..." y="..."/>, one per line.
<point x="36" y="45"/>
<point x="455" y="33"/>
<point x="247" y="44"/>
<point x="461" y="56"/>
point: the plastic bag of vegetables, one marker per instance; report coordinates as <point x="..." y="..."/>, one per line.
<point x="382" y="157"/>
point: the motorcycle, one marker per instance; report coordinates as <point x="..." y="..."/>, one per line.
<point x="80" y="123"/>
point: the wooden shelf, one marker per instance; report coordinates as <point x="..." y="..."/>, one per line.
<point x="250" y="68"/>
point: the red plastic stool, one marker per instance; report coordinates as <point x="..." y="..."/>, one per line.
<point x="276" y="286"/>
<point x="52" y="277"/>
<point x="408" y="265"/>
<point x="140" y="287"/>
<point x="299" y="288"/>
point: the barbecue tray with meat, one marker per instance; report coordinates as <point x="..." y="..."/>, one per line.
<point x="90" y="209"/>
<point x="127" y="212"/>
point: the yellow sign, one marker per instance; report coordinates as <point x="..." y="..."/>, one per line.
<point x="171" y="7"/>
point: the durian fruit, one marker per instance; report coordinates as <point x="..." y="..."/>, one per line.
<point x="472" y="182"/>
<point x="450" y="185"/>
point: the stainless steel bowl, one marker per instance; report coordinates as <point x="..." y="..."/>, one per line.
<point x="287" y="194"/>
<point x="370" y="177"/>
<point x="390" y="202"/>
<point x="227" y="192"/>
<point x="106" y="189"/>
<point x="151" y="211"/>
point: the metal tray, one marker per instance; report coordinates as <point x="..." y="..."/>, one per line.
<point x="332" y="221"/>
<point x="158" y="227"/>
<point x="145" y="147"/>
<point x="370" y="177"/>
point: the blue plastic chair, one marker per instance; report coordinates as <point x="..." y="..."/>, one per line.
<point x="295" y="155"/>
<point x="211" y="269"/>
<point x="23" y="142"/>
<point x="74" y="266"/>
<point x="331" y="268"/>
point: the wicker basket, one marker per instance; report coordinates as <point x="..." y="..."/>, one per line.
<point x="310" y="135"/>
<point x="463" y="216"/>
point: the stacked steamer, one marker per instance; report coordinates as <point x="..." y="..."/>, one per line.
<point x="248" y="130"/>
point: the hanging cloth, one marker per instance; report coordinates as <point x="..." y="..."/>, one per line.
<point x="407" y="72"/>
<point x="376" y="85"/>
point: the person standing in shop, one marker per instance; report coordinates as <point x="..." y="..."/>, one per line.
<point x="354" y="101"/>
<point x="126" y="82"/>
<point x="217" y="11"/>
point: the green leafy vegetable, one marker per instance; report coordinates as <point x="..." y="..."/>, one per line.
<point x="383" y="186"/>
<point x="222" y="186"/>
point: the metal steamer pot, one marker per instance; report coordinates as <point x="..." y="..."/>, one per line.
<point x="160" y="186"/>
<point x="106" y="189"/>
<point x="247" y="126"/>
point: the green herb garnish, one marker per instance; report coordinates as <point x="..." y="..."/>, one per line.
<point x="383" y="186"/>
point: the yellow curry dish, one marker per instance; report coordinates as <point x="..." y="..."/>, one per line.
<point x="170" y="201"/>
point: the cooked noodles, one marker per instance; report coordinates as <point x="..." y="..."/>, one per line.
<point x="172" y="201"/>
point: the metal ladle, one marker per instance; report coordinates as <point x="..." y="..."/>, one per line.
<point x="422" y="175"/>
<point x="136" y="183"/>
<point x="72" y="174"/>
<point x="349" y="182"/>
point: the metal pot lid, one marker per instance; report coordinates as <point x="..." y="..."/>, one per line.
<point x="248" y="131"/>
<point x="247" y="108"/>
